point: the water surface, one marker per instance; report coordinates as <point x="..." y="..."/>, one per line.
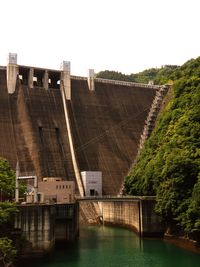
<point x="115" y="247"/>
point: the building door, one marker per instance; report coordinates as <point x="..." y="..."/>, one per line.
<point x="92" y="192"/>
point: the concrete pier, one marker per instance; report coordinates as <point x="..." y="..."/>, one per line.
<point x="43" y="225"/>
<point x="30" y="78"/>
<point x="65" y="79"/>
<point x="12" y="72"/>
<point x="46" y="80"/>
<point x="91" y="80"/>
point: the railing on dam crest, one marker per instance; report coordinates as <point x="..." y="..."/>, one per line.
<point x="114" y="198"/>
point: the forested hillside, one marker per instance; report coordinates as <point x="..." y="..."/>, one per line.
<point x="169" y="165"/>
<point x="157" y="75"/>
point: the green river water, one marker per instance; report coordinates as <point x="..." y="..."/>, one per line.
<point x="112" y="247"/>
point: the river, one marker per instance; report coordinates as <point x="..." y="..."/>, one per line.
<point x="102" y="246"/>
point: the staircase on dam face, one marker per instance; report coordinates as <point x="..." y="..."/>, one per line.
<point x="152" y="115"/>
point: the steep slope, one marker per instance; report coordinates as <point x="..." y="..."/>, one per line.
<point x="169" y="165"/>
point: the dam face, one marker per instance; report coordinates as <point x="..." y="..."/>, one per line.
<point x="105" y="123"/>
<point x="33" y="130"/>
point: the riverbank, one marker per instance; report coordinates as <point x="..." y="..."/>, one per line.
<point x="182" y="242"/>
<point x="179" y="241"/>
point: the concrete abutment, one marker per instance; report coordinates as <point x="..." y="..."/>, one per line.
<point x="42" y="225"/>
<point x="136" y="213"/>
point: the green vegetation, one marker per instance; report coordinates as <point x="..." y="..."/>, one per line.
<point x="7" y="249"/>
<point x="7" y="180"/>
<point x="7" y="209"/>
<point x="169" y="165"/>
<point x="114" y="75"/>
<point x="7" y="252"/>
<point x="157" y="75"/>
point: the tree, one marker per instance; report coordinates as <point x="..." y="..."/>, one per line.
<point x="7" y="249"/>
<point x="7" y="179"/>
<point x="7" y="209"/>
<point x="162" y="75"/>
<point x="7" y="252"/>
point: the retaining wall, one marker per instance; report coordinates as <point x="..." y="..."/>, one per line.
<point x="42" y="225"/>
<point x="137" y="214"/>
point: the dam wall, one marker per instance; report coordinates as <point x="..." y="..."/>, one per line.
<point x="37" y="227"/>
<point x="106" y="120"/>
<point x="43" y="125"/>
<point x="136" y="213"/>
<point x="43" y="225"/>
<point x="107" y="124"/>
<point x="7" y="134"/>
<point x="33" y="130"/>
<point x="120" y="213"/>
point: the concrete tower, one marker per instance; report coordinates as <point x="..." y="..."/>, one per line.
<point x="12" y="72"/>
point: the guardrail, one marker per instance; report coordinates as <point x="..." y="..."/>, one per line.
<point x="115" y="197"/>
<point x="156" y="87"/>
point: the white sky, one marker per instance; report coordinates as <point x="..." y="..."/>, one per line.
<point x="122" y="35"/>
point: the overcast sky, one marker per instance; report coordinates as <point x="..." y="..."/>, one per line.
<point x="123" y="35"/>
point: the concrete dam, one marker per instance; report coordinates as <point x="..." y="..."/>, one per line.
<point x="57" y="125"/>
